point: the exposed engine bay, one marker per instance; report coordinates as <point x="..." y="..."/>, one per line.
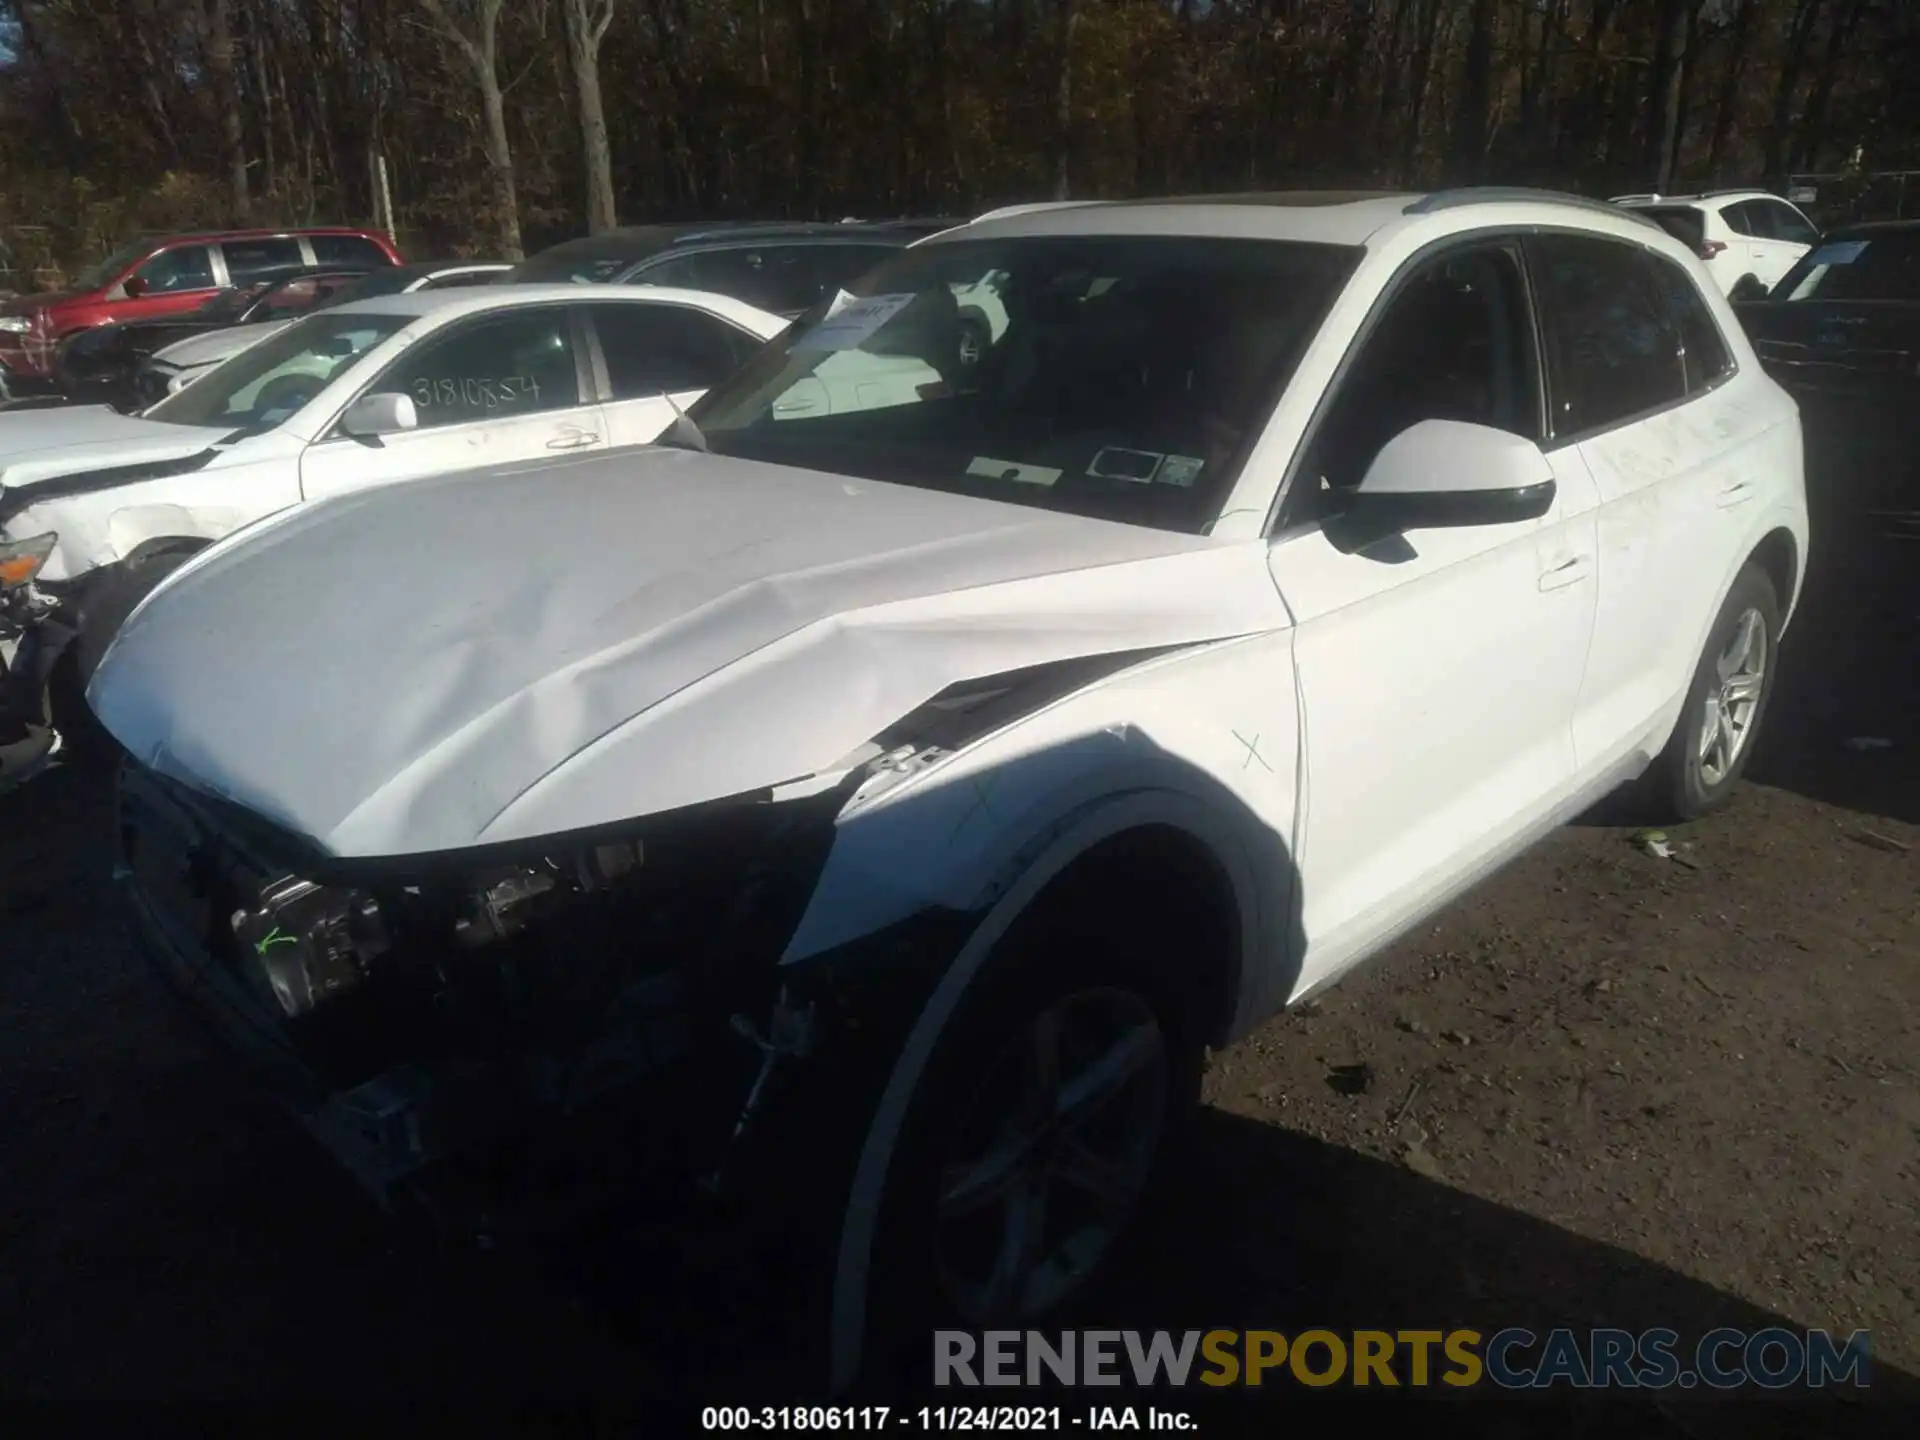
<point x="411" y="1013"/>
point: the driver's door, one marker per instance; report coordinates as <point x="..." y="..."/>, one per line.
<point x="175" y="281"/>
<point x="487" y="391"/>
<point x="1438" y="669"/>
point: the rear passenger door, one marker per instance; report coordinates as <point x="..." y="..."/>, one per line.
<point x="1636" y="367"/>
<point x="489" y="390"/>
<point x="650" y="357"/>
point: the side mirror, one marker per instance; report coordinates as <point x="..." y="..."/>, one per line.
<point x="384" y="413"/>
<point x="134" y="287"/>
<point x="1747" y="289"/>
<point x="1442" y="473"/>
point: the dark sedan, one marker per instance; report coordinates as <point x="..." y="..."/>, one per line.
<point x="97" y="367"/>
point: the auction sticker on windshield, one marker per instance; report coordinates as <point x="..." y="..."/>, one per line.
<point x="848" y="326"/>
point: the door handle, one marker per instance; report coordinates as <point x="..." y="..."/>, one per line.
<point x="572" y="440"/>
<point x="1738" y="493"/>
<point x="1570" y="571"/>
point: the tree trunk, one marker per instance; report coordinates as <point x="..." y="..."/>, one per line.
<point x="1470" y="124"/>
<point x="1417" y="82"/>
<point x="1793" y="60"/>
<point x="1663" y="91"/>
<point x="481" y="53"/>
<point x="263" y="93"/>
<point x="1063" y="102"/>
<point x="587" y="22"/>
<point x="1737" y="42"/>
<point x="1813" y="124"/>
<point x="226" y="95"/>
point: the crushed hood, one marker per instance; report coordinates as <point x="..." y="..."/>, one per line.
<point x="66" y="439"/>
<point x="215" y="345"/>
<point x="521" y="652"/>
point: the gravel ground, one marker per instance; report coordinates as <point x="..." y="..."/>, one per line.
<point x="1603" y="1089"/>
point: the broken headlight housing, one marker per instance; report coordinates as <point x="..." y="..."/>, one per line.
<point x="21" y="560"/>
<point x="311" y="943"/>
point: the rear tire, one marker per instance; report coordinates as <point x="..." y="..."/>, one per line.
<point x="1720" y="720"/>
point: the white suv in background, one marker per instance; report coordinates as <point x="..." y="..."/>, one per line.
<point x="1735" y="233"/>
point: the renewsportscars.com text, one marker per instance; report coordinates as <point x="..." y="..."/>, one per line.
<point x="1725" y="1359"/>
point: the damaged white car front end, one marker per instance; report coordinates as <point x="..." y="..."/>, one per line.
<point x="743" y="718"/>
<point x="874" y="799"/>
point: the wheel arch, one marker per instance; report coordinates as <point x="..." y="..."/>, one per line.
<point x="1123" y="832"/>
<point x="1778" y="556"/>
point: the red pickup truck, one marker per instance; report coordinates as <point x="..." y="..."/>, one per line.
<point x="165" y="275"/>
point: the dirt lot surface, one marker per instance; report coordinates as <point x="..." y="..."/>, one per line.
<point x="1605" y="1089"/>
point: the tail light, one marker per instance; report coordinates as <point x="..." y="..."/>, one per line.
<point x="1711" y="248"/>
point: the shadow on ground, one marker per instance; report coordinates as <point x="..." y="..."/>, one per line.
<point x="1850" y="664"/>
<point x="164" y="1242"/>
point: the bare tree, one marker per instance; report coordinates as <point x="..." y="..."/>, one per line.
<point x="480" y="49"/>
<point x="587" y="22"/>
<point x="226" y="94"/>
<point x="1470" y="118"/>
<point x="1063" y="101"/>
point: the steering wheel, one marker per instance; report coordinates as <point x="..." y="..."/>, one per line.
<point x="286" y="394"/>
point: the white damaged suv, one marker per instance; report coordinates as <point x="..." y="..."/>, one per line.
<point x="876" y="810"/>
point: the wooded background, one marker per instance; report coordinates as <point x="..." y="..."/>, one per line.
<point x="519" y="122"/>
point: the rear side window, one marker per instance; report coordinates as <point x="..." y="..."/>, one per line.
<point x="652" y="349"/>
<point x="1786" y="223"/>
<point x="1705" y="357"/>
<point x="1683" y="222"/>
<point x="1612" y="351"/>
<point x="345" y="250"/>
<point x="250" y="259"/>
<point x="1741" y="219"/>
<point x="837" y="266"/>
<point x="185" y="267"/>
<point x="777" y="278"/>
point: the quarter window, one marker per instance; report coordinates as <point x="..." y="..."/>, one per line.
<point x="651" y="349"/>
<point x="1612" y="351"/>
<point x="1786" y="223"/>
<point x="520" y="363"/>
<point x="185" y="267"/>
<point x="1704" y="350"/>
<point x="777" y="278"/>
<point x="250" y="259"/>
<point x="347" y="250"/>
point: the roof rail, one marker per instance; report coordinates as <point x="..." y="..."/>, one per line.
<point x="1007" y="211"/>
<point x="1507" y="195"/>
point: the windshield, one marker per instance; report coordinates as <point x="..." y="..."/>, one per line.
<point x="1122" y="378"/>
<point x="95" y="276"/>
<point x="266" y="383"/>
<point x="1877" y="267"/>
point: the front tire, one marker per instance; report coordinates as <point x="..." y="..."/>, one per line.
<point x="1720" y="721"/>
<point x="1036" y="1141"/>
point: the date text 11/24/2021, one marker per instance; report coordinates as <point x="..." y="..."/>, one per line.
<point x="944" y="1419"/>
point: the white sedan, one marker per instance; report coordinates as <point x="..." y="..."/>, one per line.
<point x="892" y="799"/>
<point x="94" y="504"/>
